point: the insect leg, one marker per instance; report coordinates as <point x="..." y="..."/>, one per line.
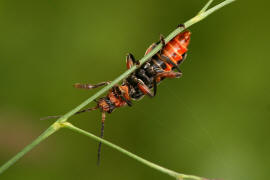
<point x="181" y="26"/>
<point x="144" y="88"/>
<point x="162" y="41"/>
<point x="168" y="74"/>
<point x="82" y="111"/>
<point x="129" y="103"/>
<point x="141" y="73"/>
<point x="101" y="135"/>
<point x="164" y="58"/>
<point x="168" y="60"/>
<point x="157" y="71"/>
<point x="184" y="56"/>
<point x="90" y="86"/>
<point x="130" y="61"/>
<point x="122" y="95"/>
<point x="86" y="110"/>
<point x="150" y="48"/>
<point x="50" y="117"/>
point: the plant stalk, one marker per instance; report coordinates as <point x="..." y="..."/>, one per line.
<point x="141" y="160"/>
<point x="59" y="122"/>
<point x="52" y="129"/>
<point x="202" y="14"/>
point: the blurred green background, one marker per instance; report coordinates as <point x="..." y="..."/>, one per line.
<point x="213" y="122"/>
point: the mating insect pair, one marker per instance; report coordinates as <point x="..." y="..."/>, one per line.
<point x="145" y="78"/>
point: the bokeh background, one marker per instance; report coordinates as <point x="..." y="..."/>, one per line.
<point x="213" y="122"/>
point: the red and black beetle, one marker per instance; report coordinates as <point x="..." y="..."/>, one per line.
<point x="139" y="83"/>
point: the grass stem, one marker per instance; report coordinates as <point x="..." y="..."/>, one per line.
<point x="61" y="122"/>
<point x="138" y="158"/>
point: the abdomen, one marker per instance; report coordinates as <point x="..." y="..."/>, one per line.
<point x="175" y="49"/>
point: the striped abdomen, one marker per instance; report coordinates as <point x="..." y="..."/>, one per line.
<point x="176" y="48"/>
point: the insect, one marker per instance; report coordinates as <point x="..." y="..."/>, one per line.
<point x="144" y="79"/>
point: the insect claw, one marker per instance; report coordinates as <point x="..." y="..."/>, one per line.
<point x="181" y="26"/>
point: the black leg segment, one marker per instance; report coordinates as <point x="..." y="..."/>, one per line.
<point x="101" y="135"/>
<point x="130" y="61"/>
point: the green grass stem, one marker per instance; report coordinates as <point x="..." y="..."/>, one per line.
<point x="61" y="122"/>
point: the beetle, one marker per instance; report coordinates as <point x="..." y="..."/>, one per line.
<point x="160" y="66"/>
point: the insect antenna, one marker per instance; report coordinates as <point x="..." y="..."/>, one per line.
<point x="101" y="135"/>
<point x="79" y="112"/>
<point x="50" y="117"/>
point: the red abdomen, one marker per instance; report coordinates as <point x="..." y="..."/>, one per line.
<point x="175" y="49"/>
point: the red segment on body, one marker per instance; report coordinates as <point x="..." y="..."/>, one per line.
<point x="176" y="48"/>
<point x="125" y="91"/>
<point x="117" y="101"/>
